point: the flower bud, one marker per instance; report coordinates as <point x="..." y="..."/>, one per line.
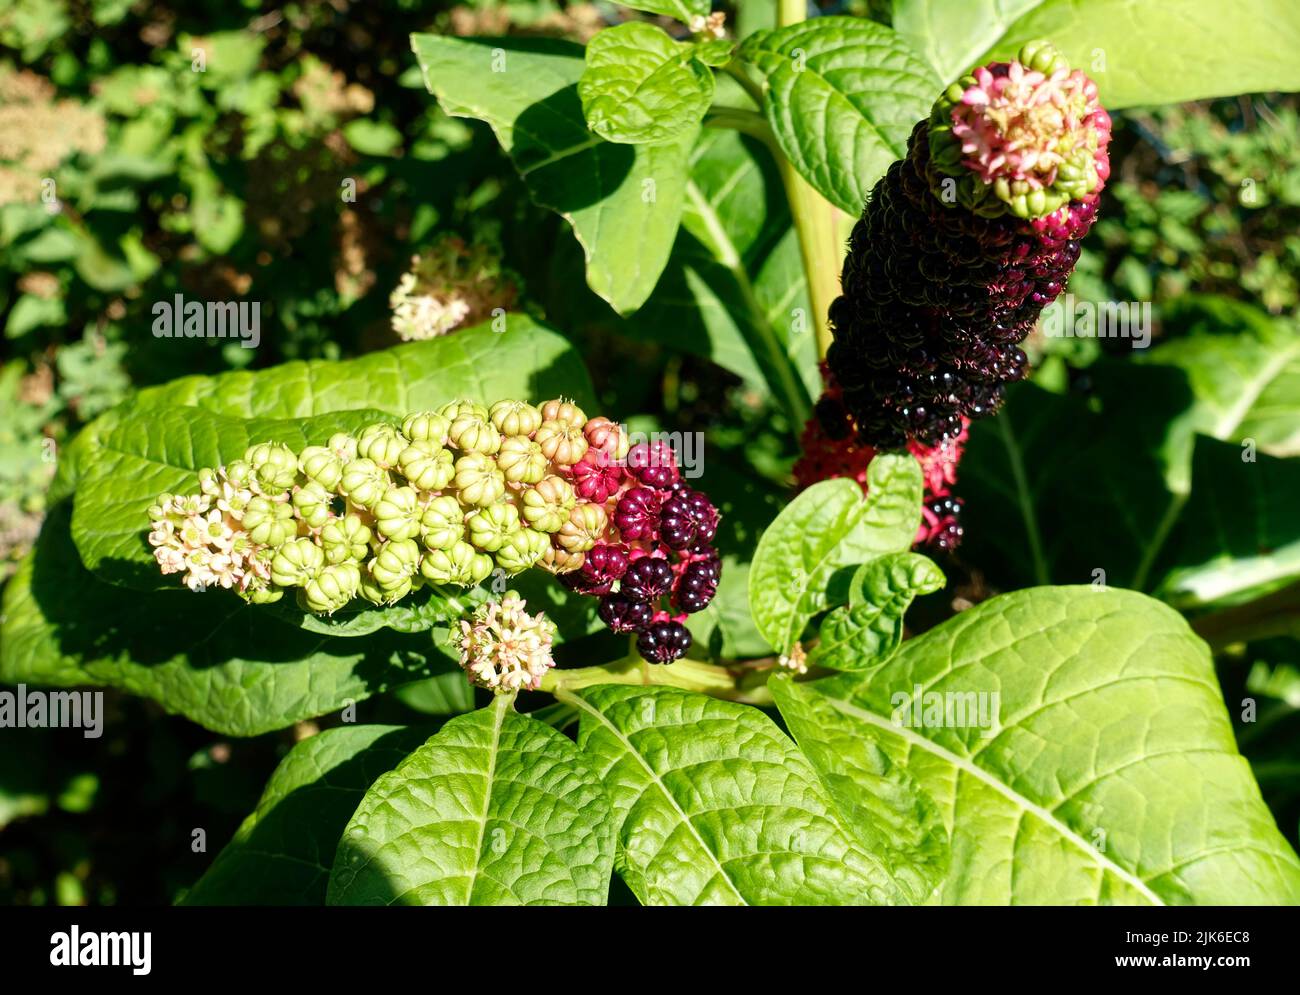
<point x="562" y="442"/>
<point x="382" y="444"/>
<point x="515" y="417"/>
<point x="546" y="505"/>
<point x="296" y="562"/>
<point x="427" y="466"/>
<point x="312" y="504"/>
<point x="363" y="482"/>
<point x="240" y="473"/>
<point x="275" y="467"/>
<point x="522" y="550"/>
<point x="564" y="411"/>
<point x="585" y="527"/>
<point x="397" y="514"/>
<point x="473" y="434"/>
<point x="426" y="426"/>
<point x="522" y="460"/>
<point x="345" y="538"/>
<point x="490" y="527"/>
<point x="443" y="522"/>
<point x="478" y="480"/>
<point x="332" y="588"/>
<point x="269" y="523"/>
<point x="321" y="465"/>
<point x="461" y="565"/>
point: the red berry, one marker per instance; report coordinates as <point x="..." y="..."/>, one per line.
<point x="653" y="463"/>
<point x="637" y="514"/>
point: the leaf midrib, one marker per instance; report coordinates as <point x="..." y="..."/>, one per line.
<point x="965" y="766"/>
<point x="500" y="706"/>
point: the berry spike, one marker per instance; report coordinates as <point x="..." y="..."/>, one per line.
<point x="961" y="246"/>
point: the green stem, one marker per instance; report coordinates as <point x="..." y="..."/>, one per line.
<point x="790" y="12"/>
<point x="738" y="119"/>
<point x="690" y="675"/>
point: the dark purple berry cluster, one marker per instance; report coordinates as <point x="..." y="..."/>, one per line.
<point x="936" y="300"/>
<point x="656" y="563"/>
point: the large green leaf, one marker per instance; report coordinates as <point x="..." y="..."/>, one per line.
<point x="1109" y="772"/>
<point x="641" y="86"/>
<point x="826" y="528"/>
<point x="496" y="809"/>
<point x="231" y="667"/>
<point x="876" y="797"/>
<point x="283" y="852"/>
<point x="624" y="202"/>
<point x="867" y="630"/>
<point x="1156" y="52"/>
<point x="715" y="806"/>
<point x="842" y="95"/>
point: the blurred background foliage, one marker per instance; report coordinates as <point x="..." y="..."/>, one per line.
<point x="289" y="154"/>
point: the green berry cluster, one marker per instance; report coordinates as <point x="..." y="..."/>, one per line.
<point x="445" y="498"/>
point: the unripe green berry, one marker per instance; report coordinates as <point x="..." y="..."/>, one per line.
<point x="565" y="411"/>
<point x="478" y="480"/>
<point x="515" y="417"/>
<point x="547" y="503"/>
<point x="275" y="466"/>
<point x="461" y="565"/>
<point x="454" y="409"/>
<point x="426" y="426"/>
<point x="332" y="588"/>
<point x="345" y="538"/>
<point x="585" y="527"/>
<point x="521" y="460"/>
<point x="240" y="473"/>
<point x="268" y="522"/>
<point x="296" y="562"/>
<point x="394" y="562"/>
<point x="427" y="466"/>
<point x="321" y="465"/>
<point x="312" y="504"/>
<point x="262" y="595"/>
<point x="490" y="527"/>
<point x="382" y="444"/>
<point x="443" y="522"/>
<point x="363" y="482"/>
<point x="562" y="442"/>
<point x="522" y="550"/>
<point x="397" y="514"/>
<point x="473" y="434"/>
<point x="343" y="446"/>
<point x="558" y="560"/>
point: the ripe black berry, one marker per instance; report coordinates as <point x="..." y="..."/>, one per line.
<point x="663" y="642"/>
<point x="624" y="614"/>
<point x="647" y="579"/>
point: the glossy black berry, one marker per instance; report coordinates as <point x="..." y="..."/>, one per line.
<point x="624" y="614"/>
<point x="647" y="579"/>
<point x="663" y="642"/>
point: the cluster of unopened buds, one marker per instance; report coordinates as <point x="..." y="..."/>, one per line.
<point x="447" y="498"/>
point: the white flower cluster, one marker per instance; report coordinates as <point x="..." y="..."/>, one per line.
<point x="503" y="648"/>
<point x="200" y="536"/>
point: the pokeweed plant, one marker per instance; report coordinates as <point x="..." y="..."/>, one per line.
<point x="765" y="735"/>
